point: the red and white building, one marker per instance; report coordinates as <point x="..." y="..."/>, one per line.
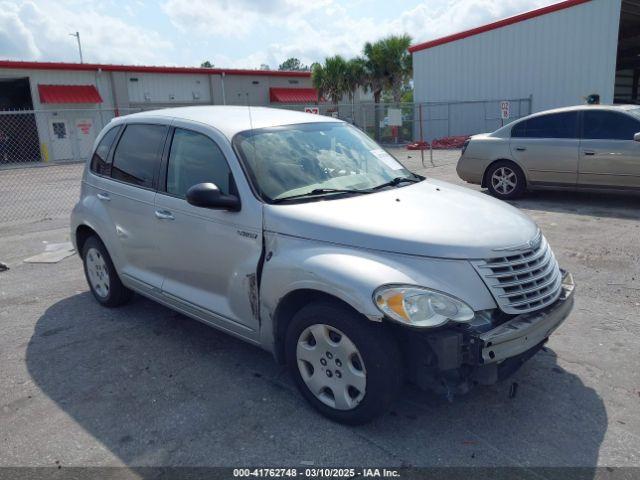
<point x="73" y="101"/>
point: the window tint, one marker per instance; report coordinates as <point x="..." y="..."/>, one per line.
<point x="138" y="154"/>
<point x="195" y="158"/>
<point x="600" y="124"/>
<point x="556" y="125"/>
<point x="99" y="160"/>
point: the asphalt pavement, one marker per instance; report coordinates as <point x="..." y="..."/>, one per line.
<point x="81" y="385"/>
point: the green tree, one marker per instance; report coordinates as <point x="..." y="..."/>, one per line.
<point x="206" y="64"/>
<point x="293" y="64"/>
<point x="387" y="66"/>
<point x="329" y="78"/>
<point x="355" y="77"/>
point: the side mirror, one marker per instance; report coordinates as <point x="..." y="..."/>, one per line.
<point x="208" y="195"/>
<point x="636" y="137"/>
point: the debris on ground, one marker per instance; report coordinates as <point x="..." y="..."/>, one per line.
<point x="53" y="253"/>
<point x="443" y="143"/>
<point x="3" y="267"/>
<point x="513" y="390"/>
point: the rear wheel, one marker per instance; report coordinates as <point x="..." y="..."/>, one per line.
<point x="348" y="368"/>
<point x="505" y="180"/>
<point x="101" y="275"/>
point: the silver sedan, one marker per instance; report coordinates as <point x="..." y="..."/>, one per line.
<point x="589" y="146"/>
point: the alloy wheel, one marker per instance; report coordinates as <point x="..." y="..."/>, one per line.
<point x="504" y="180"/>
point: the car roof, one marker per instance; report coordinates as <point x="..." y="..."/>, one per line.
<point x="231" y="119"/>
<point x="587" y="107"/>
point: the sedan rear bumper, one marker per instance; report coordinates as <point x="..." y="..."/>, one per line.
<point x="471" y="170"/>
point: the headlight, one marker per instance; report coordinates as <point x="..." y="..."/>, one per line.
<point x="420" y="307"/>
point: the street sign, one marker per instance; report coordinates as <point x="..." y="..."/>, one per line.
<point x="314" y="110"/>
<point x="505" y="110"/>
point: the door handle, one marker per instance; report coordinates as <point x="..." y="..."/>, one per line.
<point x="521" y="149"/>
<point x="164" y="215"/>
<point x="104" y="197"/>
<point x="589" y="152"/>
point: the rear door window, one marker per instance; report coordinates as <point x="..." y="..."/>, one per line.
<point x="137" y="156"/>
<point x="99" y="161"/>
<point x="603" y="125"/>
<point x="554" y="125"/>
<point x="195" y="158"/>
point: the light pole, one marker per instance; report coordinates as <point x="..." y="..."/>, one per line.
<point x="77" y="35"/>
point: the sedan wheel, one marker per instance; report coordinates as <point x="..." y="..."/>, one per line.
<point x="504" y="180"/>
<point x="331" y="367"/>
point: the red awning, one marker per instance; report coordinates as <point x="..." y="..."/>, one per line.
<point x="293" y="95"/>
<point x="69" y="94"/>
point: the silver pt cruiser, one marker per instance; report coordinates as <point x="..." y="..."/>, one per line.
<point x="299" y="234"/>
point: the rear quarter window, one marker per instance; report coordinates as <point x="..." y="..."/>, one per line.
<point x="137" y="155"/>
<point x="99" y="161"/>
<point x="553" y="125"/>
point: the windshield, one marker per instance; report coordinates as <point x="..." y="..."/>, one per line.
<point x="296" y="160"/>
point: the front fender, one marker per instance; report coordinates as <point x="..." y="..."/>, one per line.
<point x="353" y="274"/>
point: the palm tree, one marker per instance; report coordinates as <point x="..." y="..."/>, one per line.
<point x="387" y="66"/>
<point x="329" y="78"/>
<point x="398" y="63"/>
<point x="354" y="79"/>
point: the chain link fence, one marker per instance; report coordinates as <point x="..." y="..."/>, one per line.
<point x="41" y="160"/>
<point x="42" y="152"/>
<point x="402" y="123"/>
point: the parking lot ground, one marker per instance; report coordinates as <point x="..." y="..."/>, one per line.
<point x="82" y="385"/>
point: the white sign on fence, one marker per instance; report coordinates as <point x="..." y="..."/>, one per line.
<point x="505" y="110"/>
<point x="314" y="110"/>
<point x="395" y="117"/>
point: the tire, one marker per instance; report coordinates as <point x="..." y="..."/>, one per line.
<point x="505" y="180"/>
<point x="365" y="382"/>
<point x="101" y="275"/>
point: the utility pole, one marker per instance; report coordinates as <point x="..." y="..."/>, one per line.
<point x="77" y="35"/>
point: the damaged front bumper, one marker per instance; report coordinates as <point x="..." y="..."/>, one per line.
<point x="452" y="360"/>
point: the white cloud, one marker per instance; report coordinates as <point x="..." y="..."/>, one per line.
<point x="43" y="34"/>
<point x="16" y="41"/>
<point x="427" y="22"/>
<point x="312" y="31"/>
<point x="236" y="18"/>
<point x="268" y="31"/>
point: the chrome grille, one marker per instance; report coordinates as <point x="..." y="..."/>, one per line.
<point x="522" y="282"/>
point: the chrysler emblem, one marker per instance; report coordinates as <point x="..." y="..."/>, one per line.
<point x="532" y="244"/>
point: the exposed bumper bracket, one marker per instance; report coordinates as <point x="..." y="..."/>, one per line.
<point x="527" y="330"/>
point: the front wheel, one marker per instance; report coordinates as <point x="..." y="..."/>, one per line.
<point x="346" y="367"/>
<point x="505" y="180"/>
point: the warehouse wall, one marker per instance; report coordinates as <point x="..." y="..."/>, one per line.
<point x="557" y="58"/>
<point x="67" y="131"/>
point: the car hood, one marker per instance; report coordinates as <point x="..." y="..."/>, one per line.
<point x="430" y="218"/>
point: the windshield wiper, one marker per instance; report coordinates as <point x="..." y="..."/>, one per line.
<point x="397" y="181"/>
<point x="318" y="192"/>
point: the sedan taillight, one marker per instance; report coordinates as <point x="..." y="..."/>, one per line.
<point x="465" y="145"/>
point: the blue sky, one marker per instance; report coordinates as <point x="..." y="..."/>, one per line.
<point x="230" y="33"/>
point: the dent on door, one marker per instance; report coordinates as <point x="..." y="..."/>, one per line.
<point x="210" y="262"/>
